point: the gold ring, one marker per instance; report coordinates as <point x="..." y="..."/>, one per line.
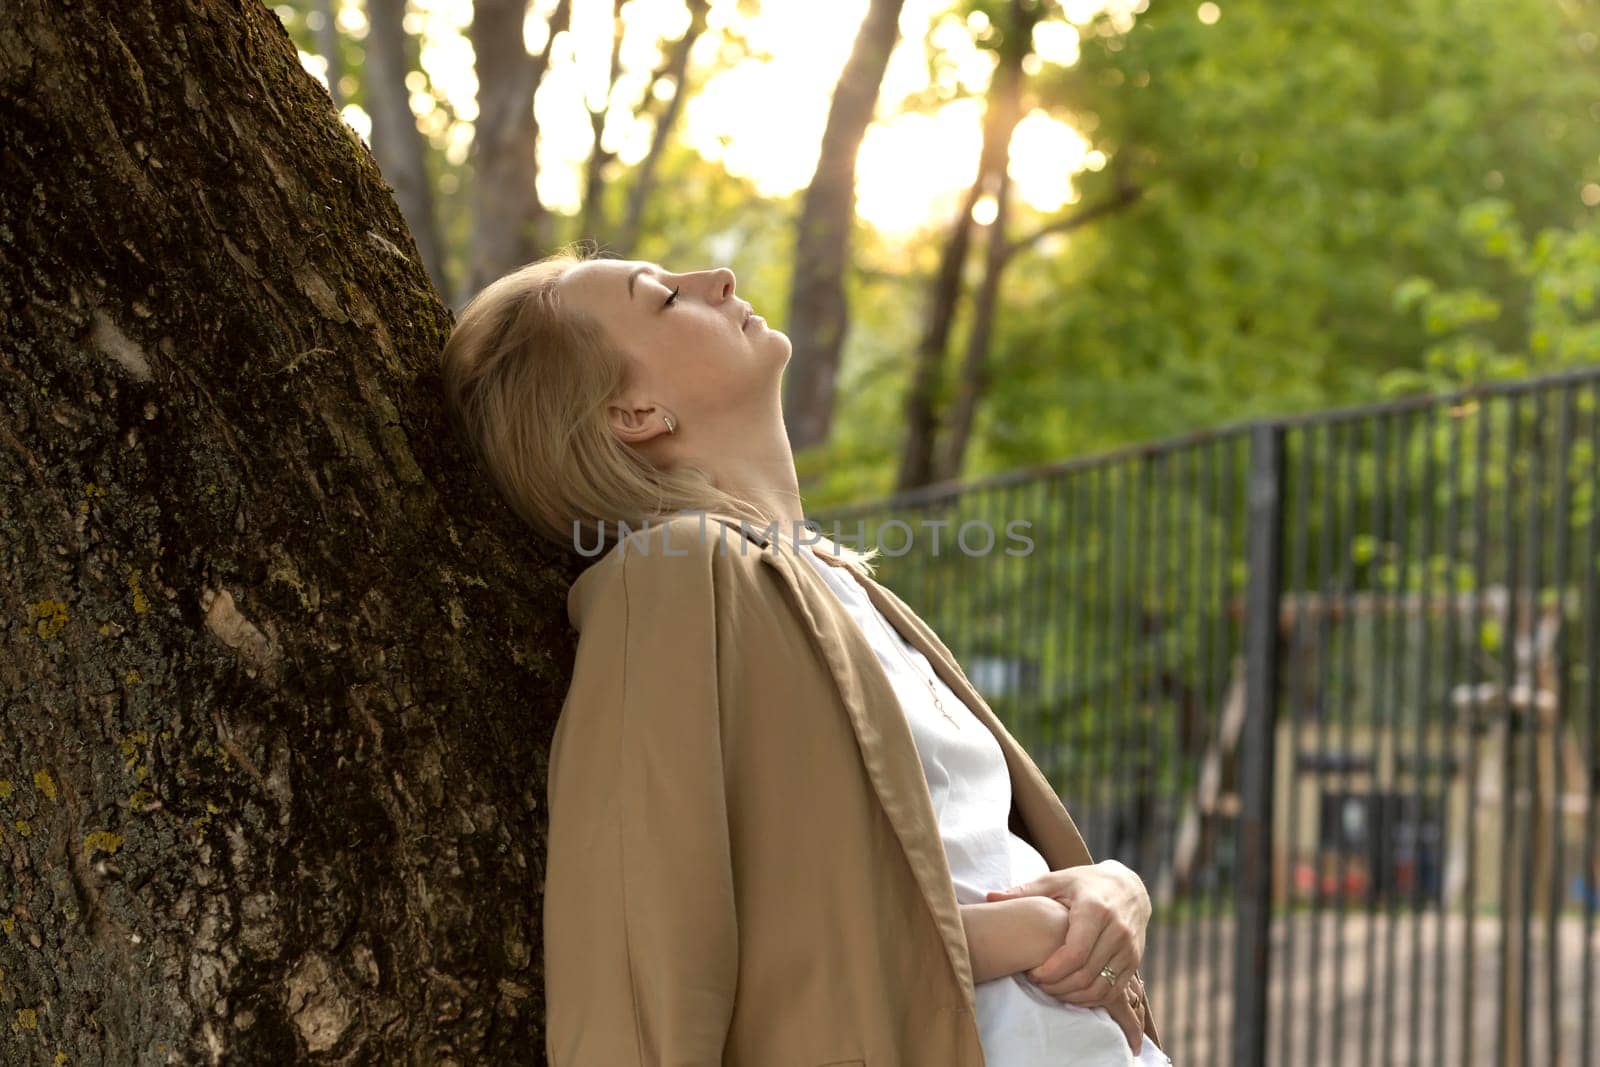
<point x="1109" y="975"/>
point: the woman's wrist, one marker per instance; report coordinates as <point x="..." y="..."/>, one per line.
<point x="1008" y="936"/>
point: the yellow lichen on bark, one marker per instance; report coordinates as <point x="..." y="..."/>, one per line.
<point x="141" y="603"/>
<point x="101" y="841"/>
<point x="51" y="616"/>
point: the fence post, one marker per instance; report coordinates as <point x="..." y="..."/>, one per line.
<point x="1256" y="763"/>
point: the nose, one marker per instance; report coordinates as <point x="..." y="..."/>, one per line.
<point x="723" y="283"/>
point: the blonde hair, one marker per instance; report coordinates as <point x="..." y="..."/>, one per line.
<point x="526" y="382"/>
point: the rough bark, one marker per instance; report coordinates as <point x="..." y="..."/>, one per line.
<point x="644" y="181"/>
<point x="818" y="316"/>
<point x="277" y="672"/>
<point x="396" y="141"/>
<point x="510" y="223"/>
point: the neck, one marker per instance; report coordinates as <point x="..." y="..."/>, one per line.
<point x="757" y="464"/>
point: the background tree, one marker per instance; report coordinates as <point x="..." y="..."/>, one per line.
<point x="1299" y="164"/>
<point x="511" y="225"/>
<point x="1010" y="38"/>
<point x="818" y="311"/>
<point x="592" y="221"/>
<point x="1012" y="42"/>
<point x="277" y="673"/>
<point x="674" y="77"/>
<point x="1294" y="168"/>
<point x="329" y="46"/>
<point x="396" y="142"/>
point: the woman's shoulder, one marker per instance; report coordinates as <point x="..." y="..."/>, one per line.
<point x="678" y="557"/>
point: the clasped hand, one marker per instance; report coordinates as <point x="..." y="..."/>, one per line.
<point x="1108" y="909"/>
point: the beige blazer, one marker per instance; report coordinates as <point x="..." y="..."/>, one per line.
<point x="744" y="864"/>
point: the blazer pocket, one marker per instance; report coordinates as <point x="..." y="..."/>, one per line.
<point x="844" y="1063"/>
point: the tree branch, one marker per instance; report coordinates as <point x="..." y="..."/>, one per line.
<point x="1125" y="195"/>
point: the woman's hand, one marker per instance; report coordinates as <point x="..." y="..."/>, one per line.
<point x="1108" y="908"/>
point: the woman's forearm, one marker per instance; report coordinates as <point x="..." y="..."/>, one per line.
<point x="1007" y="936"/>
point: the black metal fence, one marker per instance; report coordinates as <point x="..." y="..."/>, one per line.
<point x="1330" y="685"/>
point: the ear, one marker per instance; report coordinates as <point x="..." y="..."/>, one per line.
<point x="636" y="425"/>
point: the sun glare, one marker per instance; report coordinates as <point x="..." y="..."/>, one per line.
<point x="762" y="119"/>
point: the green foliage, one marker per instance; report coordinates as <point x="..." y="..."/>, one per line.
<point x="1558" y="272"/>
<point x="1339" y="203"/>
<point x="1314" y="229"/>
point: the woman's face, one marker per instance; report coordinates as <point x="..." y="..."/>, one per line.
<point x="697" y="352"/>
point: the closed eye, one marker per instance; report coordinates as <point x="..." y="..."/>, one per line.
<point x="673" y="297"/>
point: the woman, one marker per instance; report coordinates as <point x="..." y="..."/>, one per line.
<point x="783" y="823"/>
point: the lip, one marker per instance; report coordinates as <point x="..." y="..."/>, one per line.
<point x="749" y="317"/>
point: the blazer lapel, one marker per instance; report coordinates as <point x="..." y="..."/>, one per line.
<point x="890" y="755"/>
<point x="889" y="751"/>
<point x="1050" y="828"/>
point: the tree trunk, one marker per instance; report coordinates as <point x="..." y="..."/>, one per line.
<point x="396" y="141"/>
<point x="592" y="222"/>
<point x="278" y="673"/>
<point x="818" y="316"/>
<point x="1002" y="112"/>
<point x="916" y="455"/>
<point x="644" y="181"/>
<point x="330" y="45"/>
<point x="999" y="252"/>
<point x="974" y="367"/>
<point x="510" y="224"/>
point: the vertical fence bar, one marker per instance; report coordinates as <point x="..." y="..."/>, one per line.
<point x="1196" y="723"/>
<point x="1144" y="637"/>
<point x="1424" y="722"/>
<point x="1509" y="1026"/>
<point x="1100" y="664"/>
<point x="1452" y="726"/>
<point x="1129" y="595"/>
<point x="1562" y="465"/>
<point x="1587" y="1009"/>
<point x="1085" y="549"/>
<point x="1066" y="530"/>
<point x="1348" y="513"/>
<point x="1126" y="513"/>
<point x="1105" y="693"/>
<point x="1205" y="637"/>
<point x="1296" y="687"/>
<point x="1262" y="641"/>
<point x="1378" y="820"/>
<point x="1393" y="577"/>
<point x="1526" y="719"/>
<point x="1591" y="658"/>
<point x="1223" y="665"/>
<point x="1326" y="470"/>
<point x="1476" y="713"/>
<point x="1170" y="802"/>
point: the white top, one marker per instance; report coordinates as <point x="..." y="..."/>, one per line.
<point x="1019" y="1024"/>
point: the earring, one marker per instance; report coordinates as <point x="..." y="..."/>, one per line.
<point x="671" y="428"/>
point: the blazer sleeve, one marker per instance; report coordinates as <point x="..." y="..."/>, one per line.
<point x="641" y="936"/>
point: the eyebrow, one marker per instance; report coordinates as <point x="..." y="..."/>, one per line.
<point x="634" y="274"/>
